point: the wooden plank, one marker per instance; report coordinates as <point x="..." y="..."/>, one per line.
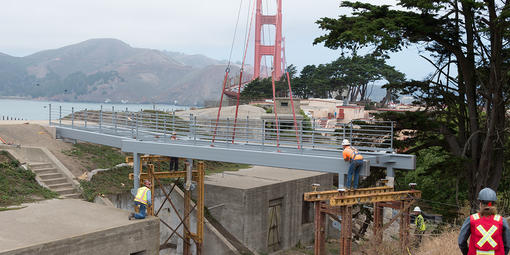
<point x="149" y="158"/>
<point x="162" y="175"/>
<point x="327" y="195"/>
<point x="372" y="198"/>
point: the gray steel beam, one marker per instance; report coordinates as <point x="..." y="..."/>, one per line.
<point x="92" y="137"/>
<point x="314" y="160"/>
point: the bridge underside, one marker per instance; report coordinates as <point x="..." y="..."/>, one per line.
<point x="285" y="157"/>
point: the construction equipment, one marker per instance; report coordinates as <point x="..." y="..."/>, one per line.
<point x="197" y="176"/>
<point x="340" y="203"/>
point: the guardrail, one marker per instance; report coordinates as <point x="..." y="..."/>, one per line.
<point x="149" y="125"/>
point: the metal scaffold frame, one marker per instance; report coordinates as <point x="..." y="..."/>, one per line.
<point x="340" y="203"/>
<point x="189" y="175"/>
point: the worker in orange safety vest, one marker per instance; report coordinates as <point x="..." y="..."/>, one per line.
<point x="489" y="231"/>
<point x="142" y="200"/>
<point x="352" y="155"/>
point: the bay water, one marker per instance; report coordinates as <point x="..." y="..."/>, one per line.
<point x="39" y="110"/>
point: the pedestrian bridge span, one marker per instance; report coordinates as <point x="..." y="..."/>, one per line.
<point x="305" y="145"/>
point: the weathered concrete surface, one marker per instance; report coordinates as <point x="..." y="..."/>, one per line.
<point x="214" y="241"/>
<point x="241" y="202"/>
<point x="73" y="226"/>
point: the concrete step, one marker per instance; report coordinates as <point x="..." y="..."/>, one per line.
<point x="65" y="191"/>
<point x="55" y="181"/>
<point x="45" y="170"/>
<point x="60" y="186"/>
<point x="50" y="176"/>
<point x="40" y="165"/>
<point x="73" y="195"/>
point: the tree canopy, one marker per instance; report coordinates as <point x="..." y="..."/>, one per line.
<point x="466" y="99"/>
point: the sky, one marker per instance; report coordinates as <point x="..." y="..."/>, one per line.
<point x="189" y="26"/>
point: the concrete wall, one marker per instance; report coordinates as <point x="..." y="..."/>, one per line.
<point x="127" y="240"/>
<point x="244" y="212"/>
<point x="214" y="242"/>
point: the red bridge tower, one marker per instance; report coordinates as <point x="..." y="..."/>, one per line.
<point x="274" y="50"/>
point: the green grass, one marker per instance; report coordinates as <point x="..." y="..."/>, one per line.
<point x="108" y="182"/>
<point x="18" y="185"/>
<point x="117" y="180"/>
<point x="96" y="156"/>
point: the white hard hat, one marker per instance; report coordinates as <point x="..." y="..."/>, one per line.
<point x="345" y="142"/>
<point x="417" y="209"/>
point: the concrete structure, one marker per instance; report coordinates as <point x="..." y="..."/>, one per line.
<point x="347" y="113"/>
<point x="263" y="206"/>
<point x="214" y="241"/>
<point x="74" y="227"/>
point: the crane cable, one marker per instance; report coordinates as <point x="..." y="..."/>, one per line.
<point x="227" y="71"/>
<point x="247" y="37"/>
<point x="290" y="94"/>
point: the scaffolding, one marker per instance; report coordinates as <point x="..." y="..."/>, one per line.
<point x="340" y="202"/>
<point x="189" y="176"/>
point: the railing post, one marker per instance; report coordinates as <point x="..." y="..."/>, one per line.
<point x="313" y="133"/>
<point x="72" y="117"/>
<point x="101" y="119"/>
<point x="60" y="115"/>
<point x="173" y="120"/>
<point x="263" y="138"/>
<point x="157" y="124"/>
<point x="164" y="128"/>
<point x="137" y="117"/>
<point x="301" y="134"/>
<point x="228" y="130"/>
<point x="246" y="130"/>
<point x="391" y="135"/>
<point x="127" y="118"/>
<point x="114" y="119"/>
<point x="190" y="126"/>
<point x="85" y="117"/>
<point x="49" y="118"/>
<point x="195" y="129"/>
<point x="350" y="134"/>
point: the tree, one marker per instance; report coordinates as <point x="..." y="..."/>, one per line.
<point x="468" y="35"/>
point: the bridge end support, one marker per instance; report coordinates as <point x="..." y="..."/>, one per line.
<point x="137" y="165"/>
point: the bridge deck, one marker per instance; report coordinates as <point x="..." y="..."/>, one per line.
<point x="256" y="142"/>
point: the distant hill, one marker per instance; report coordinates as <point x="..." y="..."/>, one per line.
<point x="108" y="69"/>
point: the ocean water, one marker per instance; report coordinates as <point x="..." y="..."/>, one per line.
<point x="38" y="110"/>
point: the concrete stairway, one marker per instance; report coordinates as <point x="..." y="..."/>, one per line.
<point x="50" y="176"/>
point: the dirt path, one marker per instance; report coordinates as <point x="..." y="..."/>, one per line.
<point x="36" y="135"/>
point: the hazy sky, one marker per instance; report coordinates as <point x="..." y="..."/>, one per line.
<point x="189" y="26"/>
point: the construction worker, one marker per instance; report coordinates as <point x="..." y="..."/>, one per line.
<point x="352" y="155"/>
<point x="419" y="222"/>
<point x="488" y="230"/>
<point x="142" y="200"/>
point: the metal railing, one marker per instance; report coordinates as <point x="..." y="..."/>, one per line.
<point x="162" y="126"/>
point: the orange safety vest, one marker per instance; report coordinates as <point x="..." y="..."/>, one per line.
<point x="350" y="153"/>
<point x="141" y="195"/>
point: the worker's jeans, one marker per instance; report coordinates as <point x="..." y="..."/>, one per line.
<point x="142" y="211"/>
<point x="174" y="163"/>
<point x="354" y="168"/>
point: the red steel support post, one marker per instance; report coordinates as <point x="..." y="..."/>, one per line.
<point x="320" y="225"/>
<point x="404" y="226"/>
<point x="346" y="231"/>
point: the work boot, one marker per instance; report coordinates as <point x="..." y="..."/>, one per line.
<point x="131" y="217"/>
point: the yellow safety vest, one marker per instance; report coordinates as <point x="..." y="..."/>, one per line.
<point x="420" y="223"/>
<point x="141" y="195"/>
